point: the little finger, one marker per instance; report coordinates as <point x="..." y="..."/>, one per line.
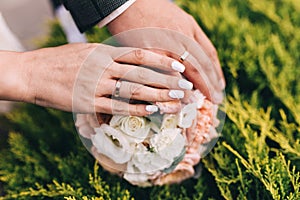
<point x="117" y="107"/>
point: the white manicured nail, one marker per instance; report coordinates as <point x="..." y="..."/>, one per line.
<point x="176" y="94"/>
<point x="151" y="108"/>
<point x="177" y="66"/>
<point x="184" y="84"/>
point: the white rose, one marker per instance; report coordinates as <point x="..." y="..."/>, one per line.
<point x="112" y="143"/>
<point x="187" y="115"/>
<point x="135" y="177"/>
<point x="168" y="144"/>
<point x="170" y="121"/>
<point x="135" y="129"/>
<point x="141" y="180"/>
<point x="148" y="161"/>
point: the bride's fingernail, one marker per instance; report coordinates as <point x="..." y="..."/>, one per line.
<point x="176" y="94"/>
<point x="151" y="108"/>
<point x="177" y="66"/>
<point x="184" y="84"/>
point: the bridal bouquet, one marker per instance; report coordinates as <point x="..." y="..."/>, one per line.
<point x="162" y="148"/>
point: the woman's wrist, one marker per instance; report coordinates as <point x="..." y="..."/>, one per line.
<point x="13" y="83"/>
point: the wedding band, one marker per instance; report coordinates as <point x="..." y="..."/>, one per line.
<point x="117" y="88"/>
<point x="184" y="56"/>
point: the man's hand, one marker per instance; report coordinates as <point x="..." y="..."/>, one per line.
<point x="166" y="15"/>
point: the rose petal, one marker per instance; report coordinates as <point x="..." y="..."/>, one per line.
<point x="119" y="153"/>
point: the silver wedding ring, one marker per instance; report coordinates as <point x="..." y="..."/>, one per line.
<point x="184" y="56"/>
<point x="117" y="88"/>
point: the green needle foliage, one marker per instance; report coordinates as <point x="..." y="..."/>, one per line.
<point x="258" y="154"/>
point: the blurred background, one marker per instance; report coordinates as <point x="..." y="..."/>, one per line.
<point x="25" y="24"/>
<point x="27" y="19"/>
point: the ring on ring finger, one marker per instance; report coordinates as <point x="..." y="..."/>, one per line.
<point x="184" y="56"/>
<point x="116" y="92"/>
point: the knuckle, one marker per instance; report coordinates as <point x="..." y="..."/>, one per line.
<point x="118" y="107"/>
<point x="157" y="95"/>
<point x="163" y="61"/>
<point x="195" y="69"/>
<point x="100" y="107"/>
<point x="110" y="70"/>
<point x="207" y="65"/>
<point x="136" y="110"/>
<point x="162" y="95"/>
<point x="140" y="111"/>
<point x="134" y="90"/>
<point x="171" y="82"/>
<point x="191" y="18"/>
<point x="213" y="53"/>
<point x="139" y="55"/>
<point x="142" y="74"/>
<point x="166" y="62"/>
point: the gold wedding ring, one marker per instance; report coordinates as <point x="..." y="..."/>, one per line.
<point x="184" y="56"/>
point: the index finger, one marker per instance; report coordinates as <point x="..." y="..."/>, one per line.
<point x="150" y="59"/>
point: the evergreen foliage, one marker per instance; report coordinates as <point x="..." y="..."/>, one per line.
<point x="258" y="154"/>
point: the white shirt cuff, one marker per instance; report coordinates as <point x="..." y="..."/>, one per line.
<point x="115" y="13"/>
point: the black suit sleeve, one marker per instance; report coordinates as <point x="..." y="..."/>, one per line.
<point x="87" y="13"/>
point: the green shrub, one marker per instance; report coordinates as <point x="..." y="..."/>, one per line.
<point x="258" y="154"/>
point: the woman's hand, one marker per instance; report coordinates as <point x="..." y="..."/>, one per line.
<point x="207" y="76"/>
<point x="82" y="78"/>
